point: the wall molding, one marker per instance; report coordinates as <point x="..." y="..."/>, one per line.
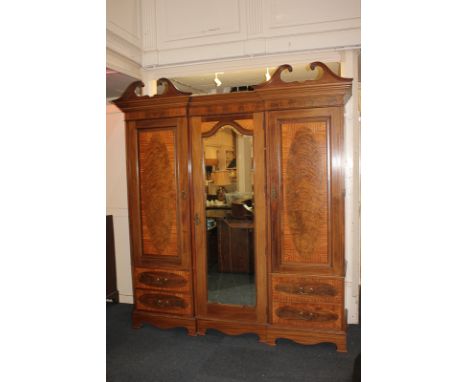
<point x="122" y="64"/>
<point x="132" y="37"/>
<point x="123" y="47"/>
<point x="176" y="32"/>
<point x="345" y="39"/>
<point x="254" y="17"/>
<point x="241" y="63"/>
<point x="148" y="25"/>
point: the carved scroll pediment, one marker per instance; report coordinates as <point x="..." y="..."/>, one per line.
<point x="325" y="75"/>
<point x="169" y="90"/>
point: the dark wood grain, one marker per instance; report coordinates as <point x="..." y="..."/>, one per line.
<point x="306" y="337"/>
<point x="312" y="316"/>
<point x="325" y="75"/>
<point x="226" y="122"/>
<point x="158" y="191"/>
<point x="310" y="289"/>
<point x="326" y="257"/>
<point x="299" y="207"/>
<point x="275" y="79"/>
<point x="163" y="302"/>
<point x="235" y="243"/>
<point x="232" y="327"/>
<point x="174" y="280"/>
<point x="170" y="89"/>
<point x="287" y="312"/>
<point x="130" y="92"/>
<point x="304" y="172"/>
<point x="164" y="322"/>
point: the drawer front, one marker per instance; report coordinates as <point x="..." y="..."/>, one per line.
<point x="162" y="302"/>
<point x="308" y="316"/>
<point x="308" y="289"/>
<point x="177" y="281"/>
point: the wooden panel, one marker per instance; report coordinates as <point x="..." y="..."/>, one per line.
<point x="313" y="316"/>
<point x="235" y="241"/>
<point x="304" y="193"/>
<point x="232" y="327"/>
<point x="260" y="221"/>
<point x="203" y="309"/>
<point x="158" y="191"/>
<point x="307" y="289"/>
<point x="199" y="231"/>
<point x="164" y="322"/>
<point x="306" y="337"/>
<point x="163" y="302"/>
<point x="177" y="281"/>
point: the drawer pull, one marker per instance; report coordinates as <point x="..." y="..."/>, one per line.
<point x="162" y="279"/>
<point x="290" y="313"/>
<point x="158" y="300"/>
<point x="317" y="289"/>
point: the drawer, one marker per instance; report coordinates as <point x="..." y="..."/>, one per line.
<point x="162" y="302"/>
<point x="178" y="281"/>
<point x="308" y="289"/>
<point x="308" y="316"/>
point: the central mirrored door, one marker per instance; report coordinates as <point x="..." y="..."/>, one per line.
<point x="229" y="216"/>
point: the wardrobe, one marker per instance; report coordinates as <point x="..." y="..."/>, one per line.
<point x="236" y="208"/>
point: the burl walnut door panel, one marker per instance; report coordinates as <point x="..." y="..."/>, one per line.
<point x="158" y="178"/>
<point x="306" y="191"/>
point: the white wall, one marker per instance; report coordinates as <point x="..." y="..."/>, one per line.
<point x="123" y="36"/>
<point x="116" y="199"/>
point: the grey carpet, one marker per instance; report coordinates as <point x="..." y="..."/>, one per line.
<point x="155" y="355"/>
<point x="231" y="288"/>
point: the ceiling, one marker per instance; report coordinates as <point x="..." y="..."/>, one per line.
<point x="204" y="84"/>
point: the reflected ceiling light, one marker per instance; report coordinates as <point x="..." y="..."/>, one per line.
<point x="267" y="74"/>
<point x="217" y="80"/>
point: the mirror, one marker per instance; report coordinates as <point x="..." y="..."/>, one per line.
<point x="230" y="212"/>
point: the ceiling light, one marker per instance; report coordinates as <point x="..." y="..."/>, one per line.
<point x="267" y="74"/>
<point x="217" y="80"/>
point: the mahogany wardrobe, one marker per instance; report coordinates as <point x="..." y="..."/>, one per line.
<point x="236" y="208"/>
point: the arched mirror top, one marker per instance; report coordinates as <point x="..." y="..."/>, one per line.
<point x="227" y="124"/>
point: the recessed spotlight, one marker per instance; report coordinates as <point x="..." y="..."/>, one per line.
<point x="216" y="80"/>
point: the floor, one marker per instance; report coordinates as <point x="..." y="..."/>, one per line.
<point x="151" y="354"/>
<point x="231" y="288"/>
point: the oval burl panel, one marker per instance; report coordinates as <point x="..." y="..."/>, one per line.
<point x="286" y="312"/>
<point x="167" y="303"/>
<point x="305" y="193"/>
<point x="162" y="280"/>
<point x="312" y="316"/>
<point x="309" y="289"/>
<point x="158" y="192"/>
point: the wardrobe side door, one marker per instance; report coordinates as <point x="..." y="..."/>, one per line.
<point x="306" y="190"/>
<point x="157" y="152"/>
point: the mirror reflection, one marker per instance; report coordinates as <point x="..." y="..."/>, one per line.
<point x="229" y="180"/>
